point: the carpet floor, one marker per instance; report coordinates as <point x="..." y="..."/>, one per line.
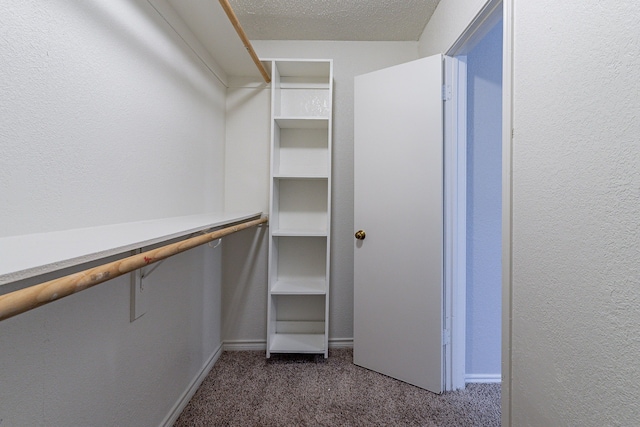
<point x="246" y="389"/>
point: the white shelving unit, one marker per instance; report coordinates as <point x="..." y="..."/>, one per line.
<point x="300" y="206"/>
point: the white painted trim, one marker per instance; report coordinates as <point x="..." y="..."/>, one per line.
<point x="448" y="181"/>
<point x="340" y="342"/>
<point x="459" y="223"/>
<point x="483" y="378"/>
<point x="507" y="206"/>
<point x="186" y="396"/>
<point x="474" y="32"/>
<point x="455" y="223"/>
<point x="488" y="16"/>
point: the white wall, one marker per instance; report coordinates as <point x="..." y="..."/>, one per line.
<point x="245" y="255"/>
<point x="484" y="207"/>
<point x="576" y="204"/>
<point x="576" y="210"/>
<point x="106" y="117"/>
<point x="250" y="279"/>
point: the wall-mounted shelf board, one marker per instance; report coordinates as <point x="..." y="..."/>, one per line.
<point x="298" y="233"/>
<point x="296" y="286"/>
<point x="30" y="255"/>
<point x="302" y="122"/>
<point x="301" y="176"/>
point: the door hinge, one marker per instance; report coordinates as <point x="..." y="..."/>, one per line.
<point x="446" y="92"/>
<point x="446" y="337"/>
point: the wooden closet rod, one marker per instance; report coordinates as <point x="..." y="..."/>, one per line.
<point x="245" y="40"/>
<point x="26" y="299"/>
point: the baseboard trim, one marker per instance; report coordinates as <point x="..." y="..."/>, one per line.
<point x="186" y="396"/>
<point x="340" y="342"/>
<point x="482" y="378"/>
<point x="244" y="345"/>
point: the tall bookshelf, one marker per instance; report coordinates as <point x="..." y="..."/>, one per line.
<point x="300" y="206"/>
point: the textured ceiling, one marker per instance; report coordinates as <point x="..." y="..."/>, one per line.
<point x="390" y="20"/>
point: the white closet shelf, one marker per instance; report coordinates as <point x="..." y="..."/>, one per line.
<point x="297" y="343"/>
<point x="312" y="122"/>
<point x="300" y="176"/>
<point x="30" y="255"/>
<point x="298" y="233"/>
<point x="302" y="286"/>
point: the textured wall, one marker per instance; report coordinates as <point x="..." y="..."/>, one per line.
<point x="576" y="204"/>
<point x="105" y="117"/>
<point x="447" y="23"/>
<point x="576" y="210"/>
<point x="484" y="206"/>
<point x="350" y="59"/>
<point x="245" y="255"/>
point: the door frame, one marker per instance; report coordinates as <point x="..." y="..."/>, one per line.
<point x="455" y="243"/>
<point x="455" y="207"/>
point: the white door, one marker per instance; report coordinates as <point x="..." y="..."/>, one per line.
<point x="398" y="203"/>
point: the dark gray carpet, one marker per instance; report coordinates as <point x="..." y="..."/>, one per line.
<point x="245" y="389"/>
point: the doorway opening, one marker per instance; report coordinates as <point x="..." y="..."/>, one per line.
<point x="475" y="201"/>
<point x="484" y="210"/>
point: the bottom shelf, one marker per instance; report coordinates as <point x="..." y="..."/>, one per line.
<point x="297" y="343"/>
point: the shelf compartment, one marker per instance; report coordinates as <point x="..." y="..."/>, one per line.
<point x="297" y="343"/>
<point x="301" y="151"/>
<point x="300" y="205"/>
<point x="302" y="89"/>
<point x="304" y="102"/>
<point x="298" y="324"/>
<point x="299" y="260"/>
<point x="304" y="69"/>
<point x="305" y="327"/>
<point x="299" y="314"/>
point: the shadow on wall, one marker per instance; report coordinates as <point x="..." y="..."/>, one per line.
<point x="244" y="287"/>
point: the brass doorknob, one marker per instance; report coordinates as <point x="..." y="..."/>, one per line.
<point x="360" y="234"/>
